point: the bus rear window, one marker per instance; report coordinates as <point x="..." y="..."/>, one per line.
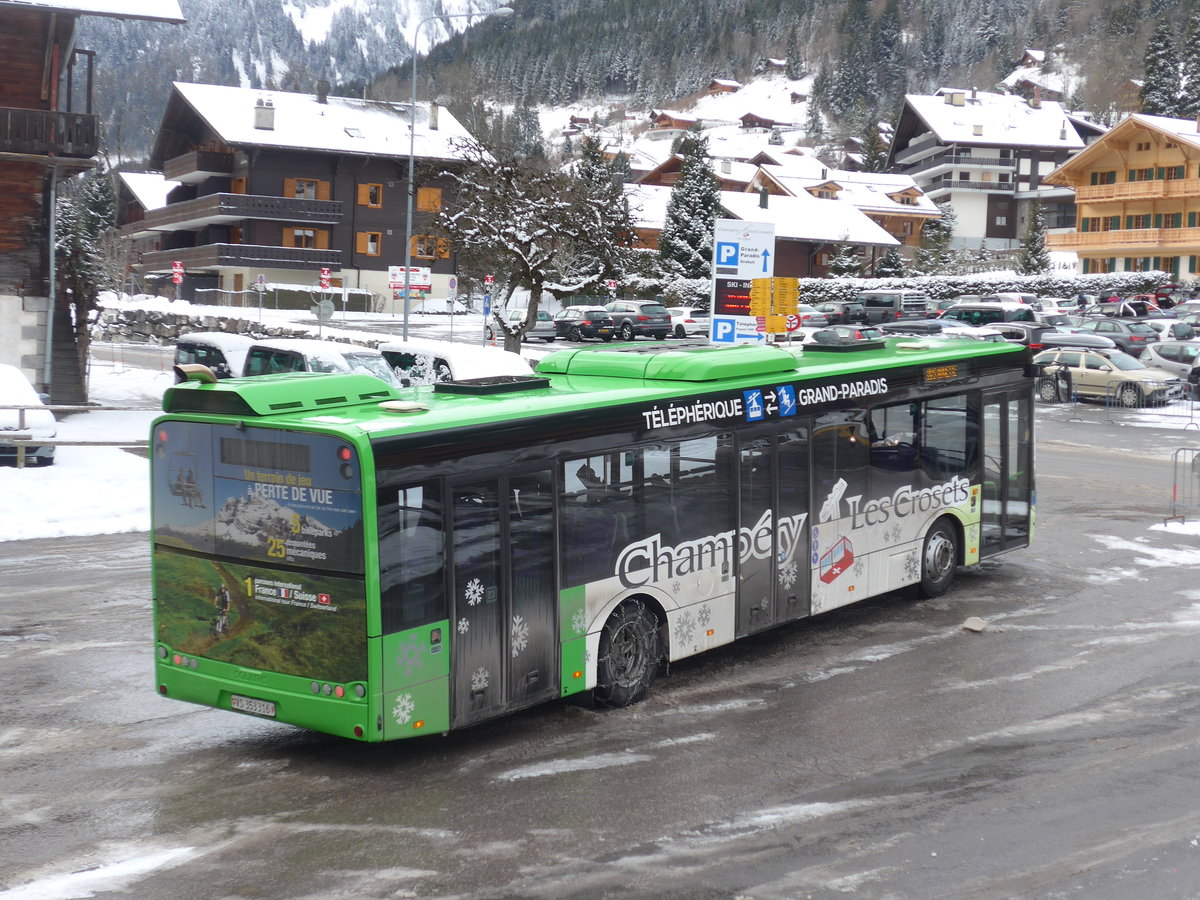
<point x="265" y="454"/>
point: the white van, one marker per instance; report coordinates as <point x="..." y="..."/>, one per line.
<point x="424" y="361"/>
<point x="889" y="306"/>
<point x="224" y="354"/>
<point x="281" y="355"/>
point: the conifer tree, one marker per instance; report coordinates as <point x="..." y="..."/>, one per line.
<point x="1189" y="99"/>
<point x="934" y="256"/>
<point x="890" y="265"/>
<point x="845" y="262"/>
<point x="1160" y="92"/>
<point x="685" y="242"/>
<point x="1034" y="258"/>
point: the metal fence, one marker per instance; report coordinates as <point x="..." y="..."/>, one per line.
<point x="22" y="438"/>
<point x="1185" y="490"/>
<point x="1121" y="400"/>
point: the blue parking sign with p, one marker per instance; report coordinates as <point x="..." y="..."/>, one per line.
<point x="727" y="253"/>
<point x="724" y="331"/>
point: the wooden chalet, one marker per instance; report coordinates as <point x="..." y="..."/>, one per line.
<point x="49" y="131"/>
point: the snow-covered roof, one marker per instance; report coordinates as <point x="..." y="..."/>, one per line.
<point x="149" y="188"/>
<point x="868" y="191"/>
<point x="990" y="120"/>
<point x="803" y="218"/>
<point x="155" y="10"/>
<point x="340" y="125"/>
<point x="1033" y="75"/>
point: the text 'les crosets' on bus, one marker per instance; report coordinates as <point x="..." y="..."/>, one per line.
<point x="375" y="563"/>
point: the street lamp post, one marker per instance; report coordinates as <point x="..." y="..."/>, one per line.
<point x="500" y="12"/>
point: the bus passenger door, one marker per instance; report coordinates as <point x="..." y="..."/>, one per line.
<point x="774" y="583"/>
<point x="1006" y="517"/>
<point x="504" y="622"/>
<point x="756" y="529"/>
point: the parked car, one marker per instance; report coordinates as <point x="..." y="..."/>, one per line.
<point x="1109" y="374"/>
<point x="941" y="327"/>
<point x="1008" y="297"/>
<point x="889" y="306"/>
<point x="689" y="320"/>
<point x="986" y="312"/>
<point x="1177" y="357"/>
<point x="1130" y="335"/>
<point x="1039" y="336"/>
<point x="424" y="361"/>
<point x="843" y="312"/>
<point x="1124" y="309"/>
<point x="281" y="355"/>
<point x="1172" y="329"/>
<point x="857" y="332"/>
<point x="934" y="308"/>
<point x="639" y="318"/>
<point x="811" y="317"/>
<point x="543" y="328"/>
<point x="224" y="354"/>
<point x="15" y="390"/>
<point x="578" y="322"/>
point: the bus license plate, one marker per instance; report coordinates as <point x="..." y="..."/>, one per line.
<point x="252" y="705"/>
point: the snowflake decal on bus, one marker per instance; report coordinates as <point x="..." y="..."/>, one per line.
<point x="579" y="621"/>
<point x="787" y="574"/>
<point x="704" y="616"/>
<point x="463" y="626"/>
<point x="474" y="592"/>
<point x="893" y="534"/>
<point x="410" y="656"/>
<point x="520" y="635"/>
<point x="973" y="535"/>
<point x="912" y="567"/>
<point x="686" y="628"/>
<point x="480" y="679"/>
<point x="859" y="567"/>
<point x="403" y="708"/>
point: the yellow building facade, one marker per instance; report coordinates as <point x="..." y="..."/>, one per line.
<point x="1137" y="192"/>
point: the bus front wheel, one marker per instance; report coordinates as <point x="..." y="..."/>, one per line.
<point x="939" y="557"/>
<point x="629" y="654"/>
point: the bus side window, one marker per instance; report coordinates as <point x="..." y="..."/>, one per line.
<point x="841" y="456"/>
<point x="411" y="556"/>
<point x="949" y="439"/>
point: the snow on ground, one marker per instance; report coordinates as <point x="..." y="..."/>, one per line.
<point x="89" y="490"/>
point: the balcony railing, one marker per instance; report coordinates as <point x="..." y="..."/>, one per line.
<point x="1138" y="190"/>
<point x="996" y="187"/>
<point x="41" y="132"/>
<point x="1164" y="239"/>
<point x="215" y="209"/>
<point x="197" y="165"/>
<point x="951" y="159"/>
<point x="237" y="256"/>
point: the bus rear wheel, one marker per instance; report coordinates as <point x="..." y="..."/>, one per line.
<point x="629" y="655"/>
<point x="939" y="557"/>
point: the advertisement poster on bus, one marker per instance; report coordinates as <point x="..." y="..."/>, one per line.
<point x="257" y="494"/>
<point x="308" y="624"/>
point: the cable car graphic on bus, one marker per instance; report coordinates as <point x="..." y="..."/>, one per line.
<point x="836" y="560"/>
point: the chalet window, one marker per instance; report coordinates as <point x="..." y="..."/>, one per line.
<point x="1175" y="173"/>
<point x="238" y="185"/>
<point x="906" y="201"/>
<point x="906" y="228"/>
<point x="429" y="199"/>
<point x="427" y="246"/>
<point x="1141" y="174"/>
<point x="305" y="189"/>
<point x="1142" y="221"/>
<point x="306" y="238"/>
<point x="235" y="234"/>
<point x="368" y="243"/>
<point x="1001" y="220"/>
<point x="370" y="195"/>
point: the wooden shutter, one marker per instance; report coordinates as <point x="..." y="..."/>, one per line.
<point x="323" y="190"/>
<point x="322" y="238"/>
<point x="289" y="187"/>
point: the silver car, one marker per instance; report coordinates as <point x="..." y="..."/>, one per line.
<point x="1177" y="357"/>
<point x="543" y="328"/>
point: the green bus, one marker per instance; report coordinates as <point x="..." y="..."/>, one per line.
<point x="382" y="563"/>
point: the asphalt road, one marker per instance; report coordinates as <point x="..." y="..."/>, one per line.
<point x="876" y="752"/>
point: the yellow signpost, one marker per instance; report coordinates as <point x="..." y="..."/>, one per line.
<point x="774" y="299"/>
